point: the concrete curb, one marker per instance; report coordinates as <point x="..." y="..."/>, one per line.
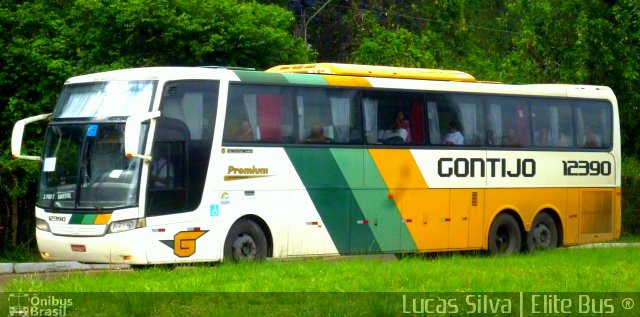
<point x="607" y="245"/>
<point x="6" y="268"/>
<point x="9" y="268"/>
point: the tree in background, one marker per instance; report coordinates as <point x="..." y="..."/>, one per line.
<point x="46" y="42"/>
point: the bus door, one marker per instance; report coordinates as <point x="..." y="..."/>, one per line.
<point x="177" y="172"/>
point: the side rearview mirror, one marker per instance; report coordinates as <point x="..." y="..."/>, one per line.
<point x="18" y="133"/>
<point x="132" y="134"/>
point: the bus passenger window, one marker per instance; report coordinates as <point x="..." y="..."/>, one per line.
<point x="551" y="119"/>
<point x="593" y="124"/>
<point x="455" y="119"/>
<point x="508" y="120"/>
<point x="394" y="118"/>
<point x="261" y="114"/>
<point x="327" y="116"/>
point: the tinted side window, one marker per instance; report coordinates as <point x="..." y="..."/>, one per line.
<point x="292" y="115"/>
<point x="593" y="124"/>
<point x="259" y="114"/>
<point x="327" y="116"/>
<point x="455" y="119"/>
<point x="508" y="122"/>
<point x="549" y="119"/>
<point x="394" y="118"/>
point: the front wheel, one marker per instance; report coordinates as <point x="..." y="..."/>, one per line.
<point x="543" y="233"/>
<point x="504" y="235"/>
<point x="245" y="242"/>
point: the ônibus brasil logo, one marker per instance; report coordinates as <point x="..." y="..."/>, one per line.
<point x="23" y="304"/>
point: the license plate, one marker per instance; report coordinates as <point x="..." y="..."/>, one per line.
<point x="78" y="248"/>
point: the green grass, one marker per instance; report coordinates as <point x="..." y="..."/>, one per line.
<point x="562" y="270"/>
<point x="350" y="286"/>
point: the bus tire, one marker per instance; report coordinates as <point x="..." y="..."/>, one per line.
<point x="504" y="235"/>
<point x="245" y="242"/>
<point x="543" y="234"/>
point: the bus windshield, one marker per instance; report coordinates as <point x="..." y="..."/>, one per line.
<point x="84" y="167"/>
<point x="105" y="99"/>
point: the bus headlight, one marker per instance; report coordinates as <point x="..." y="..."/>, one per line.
<point x="126" y="225"/>
<point x="42" y="225"/>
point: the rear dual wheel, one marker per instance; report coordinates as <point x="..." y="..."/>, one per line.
<point x="543" y="234"/>
<point x="505" y="236"/>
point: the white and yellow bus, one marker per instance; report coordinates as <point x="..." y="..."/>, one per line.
<point x="169" y="165"/>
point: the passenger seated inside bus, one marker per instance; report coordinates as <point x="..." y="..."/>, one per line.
<point x="510" y="138"/>
<point x="317" y="136"/>
<point x="591" y="139"/>
<point x="453" y="136"/>
<point x="395" y="134"/>
<point x="542" y="137"/>
<point x="404" y="124"/>
<point x="245" y="132"/>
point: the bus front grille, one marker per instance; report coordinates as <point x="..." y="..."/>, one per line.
<point x="78" y="230"/>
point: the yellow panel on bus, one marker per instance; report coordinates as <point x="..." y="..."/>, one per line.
<point x="374" y="71"/>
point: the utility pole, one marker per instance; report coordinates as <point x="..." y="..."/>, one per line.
<point x="298" y="7"/>
<point x="306" y="22"/>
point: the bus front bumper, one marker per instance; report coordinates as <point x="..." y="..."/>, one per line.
<point x="121" y="248"/>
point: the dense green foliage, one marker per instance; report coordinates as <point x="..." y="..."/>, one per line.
<point x="45" y="42"/>
<point x="631" y="196"/>
<point x="512" y="41"/>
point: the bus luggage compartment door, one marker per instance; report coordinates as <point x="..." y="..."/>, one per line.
<point x="596" y="215"/>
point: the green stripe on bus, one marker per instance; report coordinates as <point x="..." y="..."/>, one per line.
<point x="89" y="219"/>
<point x="76" y="219"/>
<point x="304" y="79"/>
<point x="333" y="199"/>
<point x="260" y="77"/>
<point x="385" y="220"/>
